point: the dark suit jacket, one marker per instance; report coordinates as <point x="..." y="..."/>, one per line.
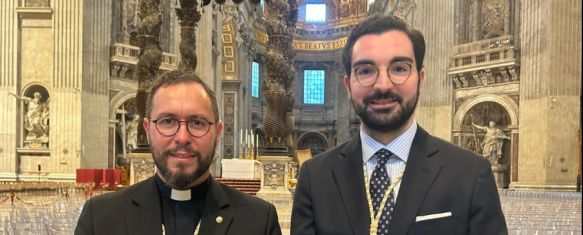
<point x="136" y="210"/>
<point x="439" y="177"/>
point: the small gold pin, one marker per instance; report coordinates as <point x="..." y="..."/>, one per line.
<point x="219" y="219"/>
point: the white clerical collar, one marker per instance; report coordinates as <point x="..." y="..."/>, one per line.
<point x="180" y="195"/>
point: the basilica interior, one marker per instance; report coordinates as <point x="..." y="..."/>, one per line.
<point x="74" y="76"/>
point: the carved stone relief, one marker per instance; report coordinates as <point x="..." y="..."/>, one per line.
<point x="229" y="119"/>
<point x="404" y="10"/>
<point x="143" y="169"/>
<point x="274" y="174"/>
<point x="493" y="17"/>
<point x="486" y="77"/>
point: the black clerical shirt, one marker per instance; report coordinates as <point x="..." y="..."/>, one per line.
<point x="181" y="217"/>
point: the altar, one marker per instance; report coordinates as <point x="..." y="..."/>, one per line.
<point x="241" y="169"/>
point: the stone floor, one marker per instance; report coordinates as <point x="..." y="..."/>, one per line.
<point x="527" y="212"/>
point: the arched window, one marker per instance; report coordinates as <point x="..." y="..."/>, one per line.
<point x="314" y="83"/>
<point x="255" y="79"/>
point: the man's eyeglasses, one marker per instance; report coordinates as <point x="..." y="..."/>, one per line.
<point x="368" y="74"/>
<point x="168" y="126"/>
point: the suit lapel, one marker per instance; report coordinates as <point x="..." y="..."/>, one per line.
<point x="420" y="172"/>
<point x="216" y="218"/>
<point x="349" y="179"/>
<point x="145" y="215"/>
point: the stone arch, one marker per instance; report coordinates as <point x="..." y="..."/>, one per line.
<point x="30" y="88"/>
<point x="505" y="101"/>
<point x="119" y="141"/>
<point x="313" y="140"/>
<point x="118" y="100"/>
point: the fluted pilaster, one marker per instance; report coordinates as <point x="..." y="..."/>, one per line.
<point x="67" y="81"/>
<point x="550" y="88"/>
<point x="434" y="111"/>
<point x="8" y="75"/>
<point x="95" y="82"/>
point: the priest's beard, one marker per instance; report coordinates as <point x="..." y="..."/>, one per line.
<point x="180" y="178"/>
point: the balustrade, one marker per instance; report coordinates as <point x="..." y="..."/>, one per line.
<point x="124" y="58"/>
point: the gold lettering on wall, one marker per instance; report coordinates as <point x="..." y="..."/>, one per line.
<point x="319" y="45"/>
<point x="309" y="45"/>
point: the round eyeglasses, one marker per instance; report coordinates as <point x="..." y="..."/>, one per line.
<point x="168" y="126"/>
<point x="368" y="74"/>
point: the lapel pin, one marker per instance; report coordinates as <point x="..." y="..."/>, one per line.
<point x="219" y="219"/>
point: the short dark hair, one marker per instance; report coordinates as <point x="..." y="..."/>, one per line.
<point x="378" y="25"/>
<point x="181" y="77"/>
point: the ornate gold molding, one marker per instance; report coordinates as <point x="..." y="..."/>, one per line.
<point x="261" y="37"/>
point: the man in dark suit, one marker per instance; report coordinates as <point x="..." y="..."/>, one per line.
<point x="393" y="178"/>
<point x="182" y="197"/>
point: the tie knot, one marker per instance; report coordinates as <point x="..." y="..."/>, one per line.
<point x="383" y="156"/>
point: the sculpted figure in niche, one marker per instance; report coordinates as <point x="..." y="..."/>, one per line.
<point x="132" y="132"/>
<point x="36" y="119"/>
<point x="493" y="141"/>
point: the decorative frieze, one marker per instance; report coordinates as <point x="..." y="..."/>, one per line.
<point x="486" y="63"/>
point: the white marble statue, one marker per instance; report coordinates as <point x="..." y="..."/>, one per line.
<point x="36" y="119"/>
<point x="492" y="143"/>
<point x="132" y="132"/>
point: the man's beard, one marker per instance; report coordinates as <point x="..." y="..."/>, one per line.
<point x="179" y="179"/>
<point x="388" y="119"/>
